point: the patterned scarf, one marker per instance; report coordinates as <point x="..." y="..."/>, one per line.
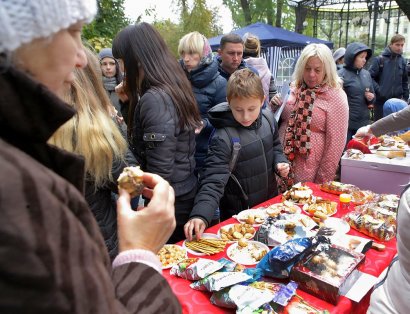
<point x="297" y="133"/>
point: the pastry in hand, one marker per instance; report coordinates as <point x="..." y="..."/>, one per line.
<point x="131" y="180"/>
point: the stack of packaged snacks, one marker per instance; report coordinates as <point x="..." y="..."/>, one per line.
<point x="374" y="219"/>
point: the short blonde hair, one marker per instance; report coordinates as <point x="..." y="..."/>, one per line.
<point x="192" y="43"/>
<point x="244" y="84"/>
<point x="324" y="54"/>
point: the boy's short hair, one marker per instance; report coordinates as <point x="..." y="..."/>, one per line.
<point x="244" y="84"/>
<point x="230" y="38"/>
<point x="397" y="38"/>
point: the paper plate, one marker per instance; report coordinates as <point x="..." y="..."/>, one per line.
<point x="179" y="253"/>
<point x="328" y="214"/>
<point x="204" y="236"/>
<point x="256" y="213"/>
<point x="286" y="207"/>
<point x="339" y="225"/>
<point x="301" y="220"/>
<point x="227" y="227"/>
<point x="247" y="255"/>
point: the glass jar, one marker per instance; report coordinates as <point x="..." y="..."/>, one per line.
<point x="345" y="200"/>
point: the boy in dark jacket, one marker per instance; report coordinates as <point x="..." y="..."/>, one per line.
<point x="250" y="180"/>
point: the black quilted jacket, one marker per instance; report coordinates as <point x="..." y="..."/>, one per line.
<point x="159" y="145"/>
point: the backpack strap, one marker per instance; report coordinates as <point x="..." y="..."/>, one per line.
<point x="236" y="147"/>
<point x="265" y="114"/>
<point x="381" y="62"/>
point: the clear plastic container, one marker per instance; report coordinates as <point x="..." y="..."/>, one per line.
<point x="345" y="200"/>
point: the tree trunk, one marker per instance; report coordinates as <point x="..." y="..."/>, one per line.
<point x="269" y="12"/>
<point x="246" y="12"/>
<point x="301" y="13"/>
<point x="404" y="5"/>
<point x="279" y="7"/>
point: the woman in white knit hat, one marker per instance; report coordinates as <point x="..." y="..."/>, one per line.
<point x="53" y="258"/>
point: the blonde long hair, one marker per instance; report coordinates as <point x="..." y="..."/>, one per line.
<point x="92" y="132"/>
<point x="324" y="54"/>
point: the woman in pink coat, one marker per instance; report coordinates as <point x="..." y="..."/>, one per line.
<point x="315" y="118"/>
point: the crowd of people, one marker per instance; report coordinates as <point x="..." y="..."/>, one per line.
<point x="202" y="129"/>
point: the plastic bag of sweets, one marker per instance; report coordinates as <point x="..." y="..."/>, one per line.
<point x="280" y="260"/>
<point x="248" y="299"/>
<point x="372" y="209"/>
<point x="230" y="265"/>
<point x="241" y="297"/>
<point x="373" y="227"/>
<point x="195" y="268"/>
<point x="220" y="280"/>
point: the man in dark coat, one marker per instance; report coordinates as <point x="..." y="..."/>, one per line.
<point x="230" y="55"/>
<point x="389" y="74"/>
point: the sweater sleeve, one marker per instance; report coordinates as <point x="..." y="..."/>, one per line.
<point x="393" y="122"/>
<point x="337" y="117"/>
<point x="141" y="289"/>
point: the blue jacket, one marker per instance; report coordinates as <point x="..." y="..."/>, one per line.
<point x="355" y="82"/>
<point x="390" y="80"/>
<point x="209" y="89"/>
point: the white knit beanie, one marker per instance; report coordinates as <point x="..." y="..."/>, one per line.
<point x="22" y="21"/>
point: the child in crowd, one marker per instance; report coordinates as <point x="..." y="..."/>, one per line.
<point x="243" y="156"/>
<point x="111" y="77"/>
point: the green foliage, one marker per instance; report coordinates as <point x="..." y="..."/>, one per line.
<point x="201" y="19"/>
<point x="198" y="18"/>
<point x="98" y="43"/>
<point x="259" y="10"/>
<point x="109" y="21"/>
<point x="171" y="33"/>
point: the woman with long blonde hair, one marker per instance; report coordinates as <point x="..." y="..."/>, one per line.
<point x="94" y="133"/>
<point x="315" y="118"/>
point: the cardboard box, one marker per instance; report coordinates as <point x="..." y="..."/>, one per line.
<point x="327" y="273"/>
<point x="376" y="173"/>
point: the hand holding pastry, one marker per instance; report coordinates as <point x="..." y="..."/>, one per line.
<point x="150" y="227"/>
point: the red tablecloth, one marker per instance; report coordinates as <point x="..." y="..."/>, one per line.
<point x="197" y="302"/>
